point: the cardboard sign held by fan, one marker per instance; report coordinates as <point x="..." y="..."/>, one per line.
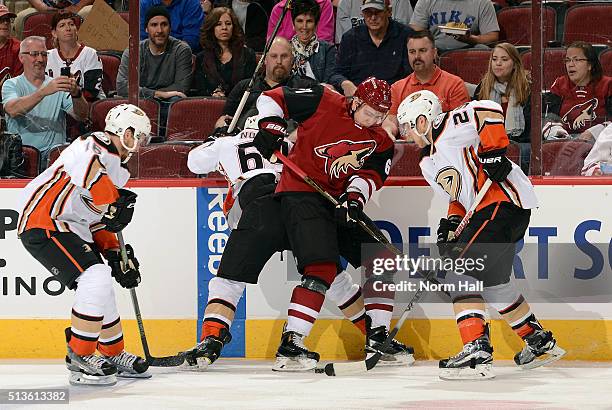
<point x="104" y="29"/>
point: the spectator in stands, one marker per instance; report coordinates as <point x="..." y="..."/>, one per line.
<point x="278" y="62"/>
<point x="225" y="59"/>
<point x="83" y="61"/>
<point x="186" y="17"/>
<point x="349" y="15"/>
<point x="325" y="28"/>
<point x="165" y="62"/>
<point x="580" y="99"/>
<point x="422" y="56"/>
<point x="252" y="16"/>
<point x="506" y="82"/>
<point x="476" y="15"/>
<point x="314" y="58"/>
<point x="80" y="7"/>
<point x="377" y="48"/>
<point x="36" y="105"/>
<point x="599" y="160"/>
<point x="10" y="66"/>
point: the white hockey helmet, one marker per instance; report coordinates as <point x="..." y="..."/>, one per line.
<point x="419" y="103"/>
<point x="125" y="116"/>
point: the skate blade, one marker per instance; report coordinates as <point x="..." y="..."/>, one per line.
<point x="480" y="372"/>
<point x="287" y="364"/>
<point x="82" y="379"/>
<point x="129" y="375"/>
<point x="551" y="356"/>
<point x="201" y="365"/>
<point x="387" y="360"/>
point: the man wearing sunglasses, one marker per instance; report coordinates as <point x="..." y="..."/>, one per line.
<point x="36" y="105"/>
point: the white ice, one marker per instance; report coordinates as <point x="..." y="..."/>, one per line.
<point x="237" y="383"/>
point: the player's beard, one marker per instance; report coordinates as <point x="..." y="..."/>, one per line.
<point x="279" y="74"/>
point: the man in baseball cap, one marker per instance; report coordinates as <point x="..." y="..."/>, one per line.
<point x="375" y="4"/>
<point x="10" y="66"/>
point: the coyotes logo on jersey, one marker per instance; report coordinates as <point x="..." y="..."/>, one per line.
<point x="580" y="114"/>
<point x="344" y="154"/>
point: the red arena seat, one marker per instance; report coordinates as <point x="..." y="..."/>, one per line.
<point x="406" y="160"/>
<point x="470" y="65"/>
<point x="31" y="157"/>
<point x="193" y="119"/>
<point x="515" y="25"/>
<point x="588" y="22"/>
<point x="564" y="157"/>
<point x="163" y="161"/>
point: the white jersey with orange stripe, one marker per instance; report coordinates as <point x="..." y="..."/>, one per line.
<point x="453" y="167"/>
<point x="235" y="157"/>
<point x="74" y="192"/>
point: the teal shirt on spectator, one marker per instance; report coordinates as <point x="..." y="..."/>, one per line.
<point x="45" y="125"/>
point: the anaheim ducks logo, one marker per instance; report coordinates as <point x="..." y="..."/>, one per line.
<point x="580" y="114"/>
<point x="342" y="155"/>
<point x="449" y="180"/>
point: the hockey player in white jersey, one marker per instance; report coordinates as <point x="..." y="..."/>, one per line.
<point x="461" y="149"/>
<point x="257" y="233"/>
<point x="69" y="216"/>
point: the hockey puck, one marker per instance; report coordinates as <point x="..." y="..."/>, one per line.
<point x="329" y="369"/>
<point x="3" y="264"/>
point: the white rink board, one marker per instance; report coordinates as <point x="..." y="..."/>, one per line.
<point x="561" y="206"/>
<point x="163" y="234"/>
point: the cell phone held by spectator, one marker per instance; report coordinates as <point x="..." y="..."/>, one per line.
<point x="65" y="71"/>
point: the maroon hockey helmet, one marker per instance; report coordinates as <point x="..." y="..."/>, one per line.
<point x="376" y="93"/>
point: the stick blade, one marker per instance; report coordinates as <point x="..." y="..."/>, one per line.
<point x="168" y="361"/>
<point x="345" y="369"/>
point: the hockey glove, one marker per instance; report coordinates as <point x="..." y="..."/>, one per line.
<point x="119" y="214"/>
<point x="496" y="165"/>
<point x="446" y="234"/>
<point x="221" y="132"/>
<point x="348" y="210"/>
<point x="126" y="276"/>
<point x="554" y="131"/>
<point x="272" y="130"/>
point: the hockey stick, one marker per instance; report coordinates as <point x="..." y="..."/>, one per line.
<point x="168" y="361"/>
<point x="342" y="369"/>
<point x="296" y="169"/>
<point x="247" y="92"/>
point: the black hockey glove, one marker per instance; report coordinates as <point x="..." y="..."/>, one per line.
<point x="446" y="234"/>
<point x="496" y="165"/>
<point x="272" y="130"/>
<point x="348" y="210"/>
<point x="126" y="276"/>
<point x="221" y="132"/>
<point x="119" y="214"/>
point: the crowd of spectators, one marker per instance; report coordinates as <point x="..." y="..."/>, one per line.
<point x="209" y="48"/>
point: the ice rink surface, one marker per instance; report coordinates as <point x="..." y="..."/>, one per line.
<point x="242" y="384"/>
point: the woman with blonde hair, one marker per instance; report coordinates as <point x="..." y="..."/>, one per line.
<point x="506" y="82"/>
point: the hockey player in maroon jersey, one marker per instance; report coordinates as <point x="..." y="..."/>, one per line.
<point x="342" y="147"/>
<point x="462" y="149"/>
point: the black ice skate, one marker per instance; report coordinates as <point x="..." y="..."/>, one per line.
<point x="293" y="356"/>
<point x="207" y="351"/>
<point x="90" y="369"/>
<point x="129" y="365"/>
<point x="474" y="362"/>
<point x="397" y="354"/>
<point x="540" y="349"/>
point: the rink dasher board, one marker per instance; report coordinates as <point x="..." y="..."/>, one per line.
<point x="178" y="237"/>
